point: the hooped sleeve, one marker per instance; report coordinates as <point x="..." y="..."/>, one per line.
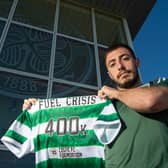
<point x="18" y="138"/>
<point x="108" y="124"/>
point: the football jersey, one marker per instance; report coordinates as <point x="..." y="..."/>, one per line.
<point x="64" y="132"/>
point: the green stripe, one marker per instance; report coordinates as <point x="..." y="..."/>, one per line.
<point x="45" y="141"/>
<point x="89" y="111"/>
<point x="17" y="137"/>
<point x="111" y="117"/>
<point x="25" y="119"/>
<point x="72" y="163"/>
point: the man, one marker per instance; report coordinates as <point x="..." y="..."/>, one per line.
<point x="143" y="109"/>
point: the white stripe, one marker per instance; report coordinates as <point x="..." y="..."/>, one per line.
<point x="21" y="129"/>
<point x="103" y="123"/>
<point x="77" y="152"/>
<point x="65" y="102"/>
<point x="110" y="109"/>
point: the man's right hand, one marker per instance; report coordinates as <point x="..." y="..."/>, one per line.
<point x="107" y="92"/>
<point x="28" y="103"/>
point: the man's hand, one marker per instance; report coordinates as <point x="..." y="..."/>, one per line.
<point x="107" y="92"/>
<point x="141" y="99"/>
<point x="28" y="103"/>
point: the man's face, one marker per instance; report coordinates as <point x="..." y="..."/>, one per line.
<point x="122" y="68"/>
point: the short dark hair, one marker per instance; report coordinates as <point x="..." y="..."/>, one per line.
<point x="119" y="45"/>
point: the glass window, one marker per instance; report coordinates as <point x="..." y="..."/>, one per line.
<point x="13" y="90"/>
<point x="104" y="75"/>
<point x="75" y="21"/>
<point x="38" y="13"/>
<point x="5" y="6"/>
<point x="8" y="160"/>
<point x="27" y="50"/>
<point x="75" y="61"/>
<point x="64" y="90"/>
<point x="109" y="30"/>
<point x="2" y="24"/>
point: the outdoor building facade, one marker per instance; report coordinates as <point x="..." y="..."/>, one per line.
<point x="55" y="48"/>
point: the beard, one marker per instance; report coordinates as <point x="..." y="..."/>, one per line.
<point x="129" y="82"/>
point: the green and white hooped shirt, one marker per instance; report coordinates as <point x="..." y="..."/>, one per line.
<point x="65" y="132"/>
